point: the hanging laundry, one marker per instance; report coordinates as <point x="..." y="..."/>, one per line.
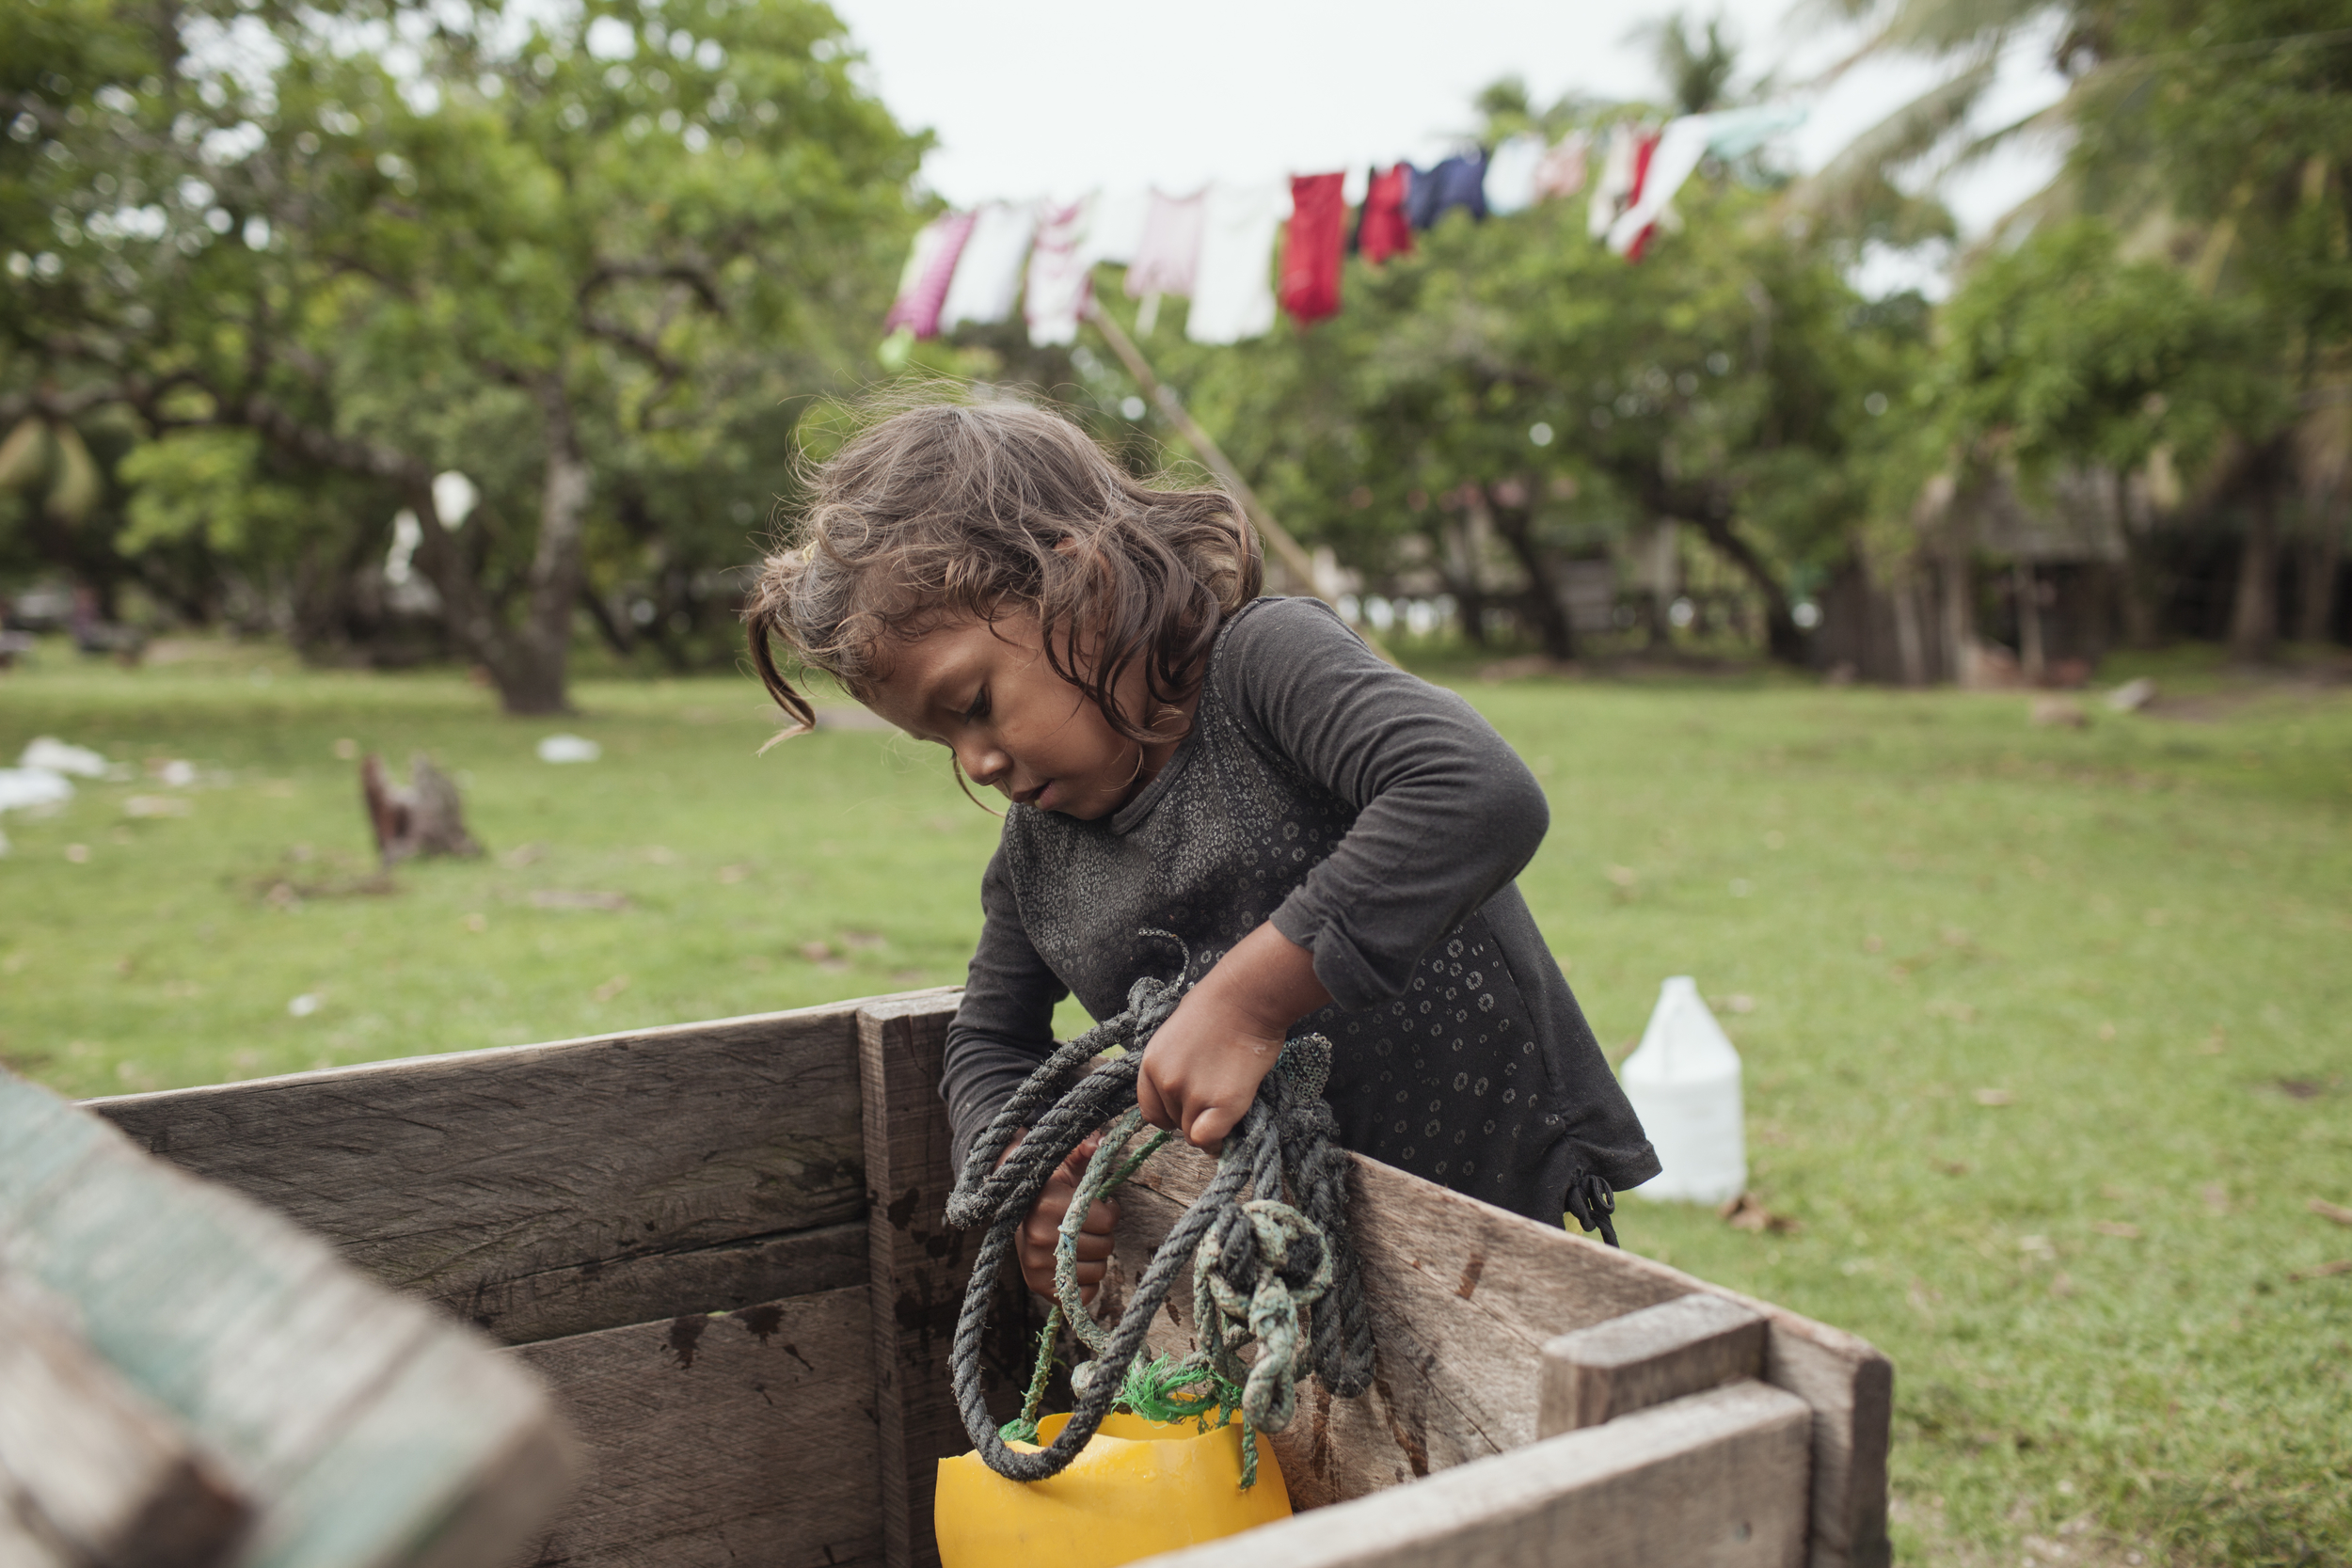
<point x="1613" y="189"/>
<point x="1115" y="224"/>
<point x="1735" y="132"/>
<point x="1561" y="174"/>
<point x="1314" y="246"/>
<point x="923" y="284"/>
<point x="988" y="274"/>
<point x="1061" y="272"/>
<point x="1672" y="155"/>
<point x="1511" y="174"/>
<point x="1232" y="292"/>
<point x="1381" y="229"/>
<point x="1457" y="182"/>
<point x="1168" y="254"/>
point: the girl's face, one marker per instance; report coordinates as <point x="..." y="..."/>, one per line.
<point x="988" y="694"/>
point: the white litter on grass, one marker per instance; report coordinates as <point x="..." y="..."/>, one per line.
<point x="179" y="773"/>
<point x="303" y="1006"/>
<point x="53" y="755"/>
<point x="2131" y="695"/>
<point x="569" y="747"/>
<point x="157" y="805"/>
<point x="20" y="787"/>
<point x="1684" y="1084"/>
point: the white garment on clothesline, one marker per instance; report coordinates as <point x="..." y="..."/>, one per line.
<point x="988" y="274"/>
<point x="1233" y="290"/>
<point x="1511" y="174"/>
<point x="1115" y="224"/>
<point x="1615" y="184"/>
<point x="1680" y="146"/>
<point x="1060" y="273"/>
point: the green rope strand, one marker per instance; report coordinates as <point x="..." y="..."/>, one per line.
<point x="1022" y="1428"/>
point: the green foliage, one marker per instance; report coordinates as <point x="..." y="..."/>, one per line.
<point x="1723" y="380"/>
<point x="2244" y="108"/>
<point x="2059" y="353"/>
<point x="203" y="486"/>
<point x="394" y="241"/>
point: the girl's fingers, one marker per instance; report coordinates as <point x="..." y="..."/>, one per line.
<point x="1209" y="1128"/>
<point x="1093" y="1249"/>
<point x="1103" y="1218"/>
<point x="1148" y="1098"/>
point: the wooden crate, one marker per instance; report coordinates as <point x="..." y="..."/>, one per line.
<point x="723" y="1244"/>
<point x="188" y="1381"/>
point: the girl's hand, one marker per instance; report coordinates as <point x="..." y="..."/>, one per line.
<point x="1034" y="1244"/>
<point x="1203" y="1069"/>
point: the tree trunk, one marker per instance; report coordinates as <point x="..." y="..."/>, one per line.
<point x="1663" y="570"/>
<point x="2254" y="612"/>
<point x="1458" y="552"/>
<point x="534" y="679"/>
<point x="2028" y="594"/>
<point x="2321" y="559"/>
<point x="1549" y="616"/>
<point x="1910" y="643"/>
<point x="1782" y="638"/>
<point x="1960" y="612"/>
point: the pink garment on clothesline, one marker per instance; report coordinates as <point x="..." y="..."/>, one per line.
<point x="931" y="266"/>
<point x="1167" y="261"/>
<point x="1060" y="275"/>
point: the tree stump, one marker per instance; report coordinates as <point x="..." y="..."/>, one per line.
<point x="423" y="818"/>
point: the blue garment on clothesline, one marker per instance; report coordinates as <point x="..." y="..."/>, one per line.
<point x="1459" y="182"/>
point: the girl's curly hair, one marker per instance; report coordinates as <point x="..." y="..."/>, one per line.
<point x="947" y="510"/>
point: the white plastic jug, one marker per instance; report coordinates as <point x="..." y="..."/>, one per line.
<point x="1684" y="1081"/>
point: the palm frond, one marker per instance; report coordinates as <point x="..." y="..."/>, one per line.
<point x="1857" y="173"/>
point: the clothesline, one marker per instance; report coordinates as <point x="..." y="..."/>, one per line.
<point x="1215" y="247"/>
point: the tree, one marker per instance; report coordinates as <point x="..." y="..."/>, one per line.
<point x="580" y="256"/>
<point x="2208" y="137"/>
<point x="1520" y="371"/>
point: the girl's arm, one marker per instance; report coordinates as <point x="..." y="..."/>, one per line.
<point x="1446" y="816"/>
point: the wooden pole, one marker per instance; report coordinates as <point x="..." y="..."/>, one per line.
<point x="1278" y="538"/>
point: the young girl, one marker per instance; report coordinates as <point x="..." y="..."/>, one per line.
<point x="1332" y="841"/>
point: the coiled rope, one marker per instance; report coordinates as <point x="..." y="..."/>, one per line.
<point x="1256" y="1259"/>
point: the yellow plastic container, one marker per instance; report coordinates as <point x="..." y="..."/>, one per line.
<point x="1139" y="1487"/>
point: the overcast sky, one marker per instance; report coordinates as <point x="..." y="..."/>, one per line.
<point x="1056" y="97"/>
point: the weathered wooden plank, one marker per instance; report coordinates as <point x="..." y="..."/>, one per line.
<point x="742" y="1437"/>
<point x="919" y="1270"/>
<point x="1661" y="1353"/>
<point x="451" y="1175"/>
<point x="90" y="1472"/>
<point x="579" y="1300"/>
<point x="1716" y="1479"/>
<point x="1465" y="1295"/>
<point x="918" y="1267"/>
<point x="363" y="1426"/>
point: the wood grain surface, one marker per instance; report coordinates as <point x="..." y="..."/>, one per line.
<point x="745" y="1437"/>
<point x="1661" y="1353"/>
<point x="920" y="1268"/>
<point x="546" y="1189"/>
<point x="1716" y="1479"/>
<point x="1464" y="1297"/>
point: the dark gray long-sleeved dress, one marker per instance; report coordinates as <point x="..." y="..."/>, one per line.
<point x="1377" y="821"/>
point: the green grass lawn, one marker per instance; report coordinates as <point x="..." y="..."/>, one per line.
<point x="2046" y="1030"/>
